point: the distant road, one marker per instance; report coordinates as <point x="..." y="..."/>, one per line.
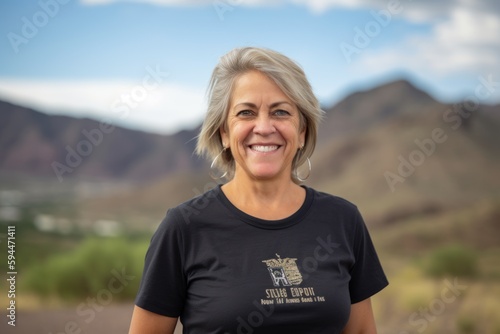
<point x="112" y="319"/>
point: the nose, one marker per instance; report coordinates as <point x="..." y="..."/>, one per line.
<point x="264" y="124"/>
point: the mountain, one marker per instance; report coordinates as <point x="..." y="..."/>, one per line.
<point x="60" y="147"/>
<point x="396" y="151"/>
<point x="393" y="150"/>
<point x="365" y="109"/>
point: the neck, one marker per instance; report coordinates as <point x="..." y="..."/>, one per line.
<point x="265" y="199"/>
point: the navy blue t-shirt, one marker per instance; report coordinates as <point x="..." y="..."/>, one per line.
<point x="223" y="271"/>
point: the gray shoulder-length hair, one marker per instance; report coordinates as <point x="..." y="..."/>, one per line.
<point x="289" y="77"/>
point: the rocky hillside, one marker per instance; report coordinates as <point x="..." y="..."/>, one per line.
<point x="393" y="150"/>
<point x="396" y="151"/>
<point x="61" y="147"/>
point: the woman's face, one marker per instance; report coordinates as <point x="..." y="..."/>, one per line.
<point x="263" y="128"/>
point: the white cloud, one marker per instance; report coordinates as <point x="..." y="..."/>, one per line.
<point x="420" y="11"/>
<point x="465" y="41"/>
<point x="463" y="38"/>
<point x="467" y="27"/>
<point x="165" y="109"/>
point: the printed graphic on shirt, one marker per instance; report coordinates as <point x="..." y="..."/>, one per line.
<point x="285" y="274"/>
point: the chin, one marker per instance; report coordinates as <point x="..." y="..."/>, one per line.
<point x="265" y="174"/>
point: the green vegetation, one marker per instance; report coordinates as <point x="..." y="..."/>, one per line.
<point x="452" y="260"/>
<point x="466" y="325"/>
<point x="88" y="269"/>
<point x="424" y="256"/>
<point x="443" y="271"/>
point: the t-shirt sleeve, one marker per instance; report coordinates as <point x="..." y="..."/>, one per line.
<point x="367" y="275"/>
<point x="163" y="284"/>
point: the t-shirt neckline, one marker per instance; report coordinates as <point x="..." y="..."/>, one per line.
<point x="289" y="221"/>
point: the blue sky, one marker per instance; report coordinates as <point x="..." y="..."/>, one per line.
<point x="92" y="57"/>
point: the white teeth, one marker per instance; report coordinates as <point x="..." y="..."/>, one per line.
<point x="261" y="148"/>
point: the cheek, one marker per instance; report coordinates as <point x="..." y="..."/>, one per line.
<point x="291" y="132"/>
<point x="239" y="132"/>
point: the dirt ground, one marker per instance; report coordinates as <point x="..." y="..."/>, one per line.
<point x="112" y="319"/>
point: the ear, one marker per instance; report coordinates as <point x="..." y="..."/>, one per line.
<point x="224" y="136"/>
<point x="302" y="136"/>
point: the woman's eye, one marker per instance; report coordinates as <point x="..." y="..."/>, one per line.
<point x="281" y="112"/>
<point x="244" y="113"/>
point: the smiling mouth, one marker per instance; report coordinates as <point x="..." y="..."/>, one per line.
<point x="264" y="148"/>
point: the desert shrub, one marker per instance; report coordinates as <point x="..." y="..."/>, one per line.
<point x="91" y="267"/>
<point x="452" y="260"/>
<point x="466" y="325"/>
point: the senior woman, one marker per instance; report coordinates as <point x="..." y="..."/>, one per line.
<point x="260" y="253"/>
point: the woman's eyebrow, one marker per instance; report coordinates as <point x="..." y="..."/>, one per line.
<point x="252" y="105"/>
<point x="275" y="104"/>
<point x="246" y="104"/>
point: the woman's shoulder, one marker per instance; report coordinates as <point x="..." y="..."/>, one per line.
<point x="198" y="206"/>
<point x="326" y="199"/>
<point x="338" y="211"/>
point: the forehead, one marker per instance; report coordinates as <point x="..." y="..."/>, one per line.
<point x="254" y="86"/>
